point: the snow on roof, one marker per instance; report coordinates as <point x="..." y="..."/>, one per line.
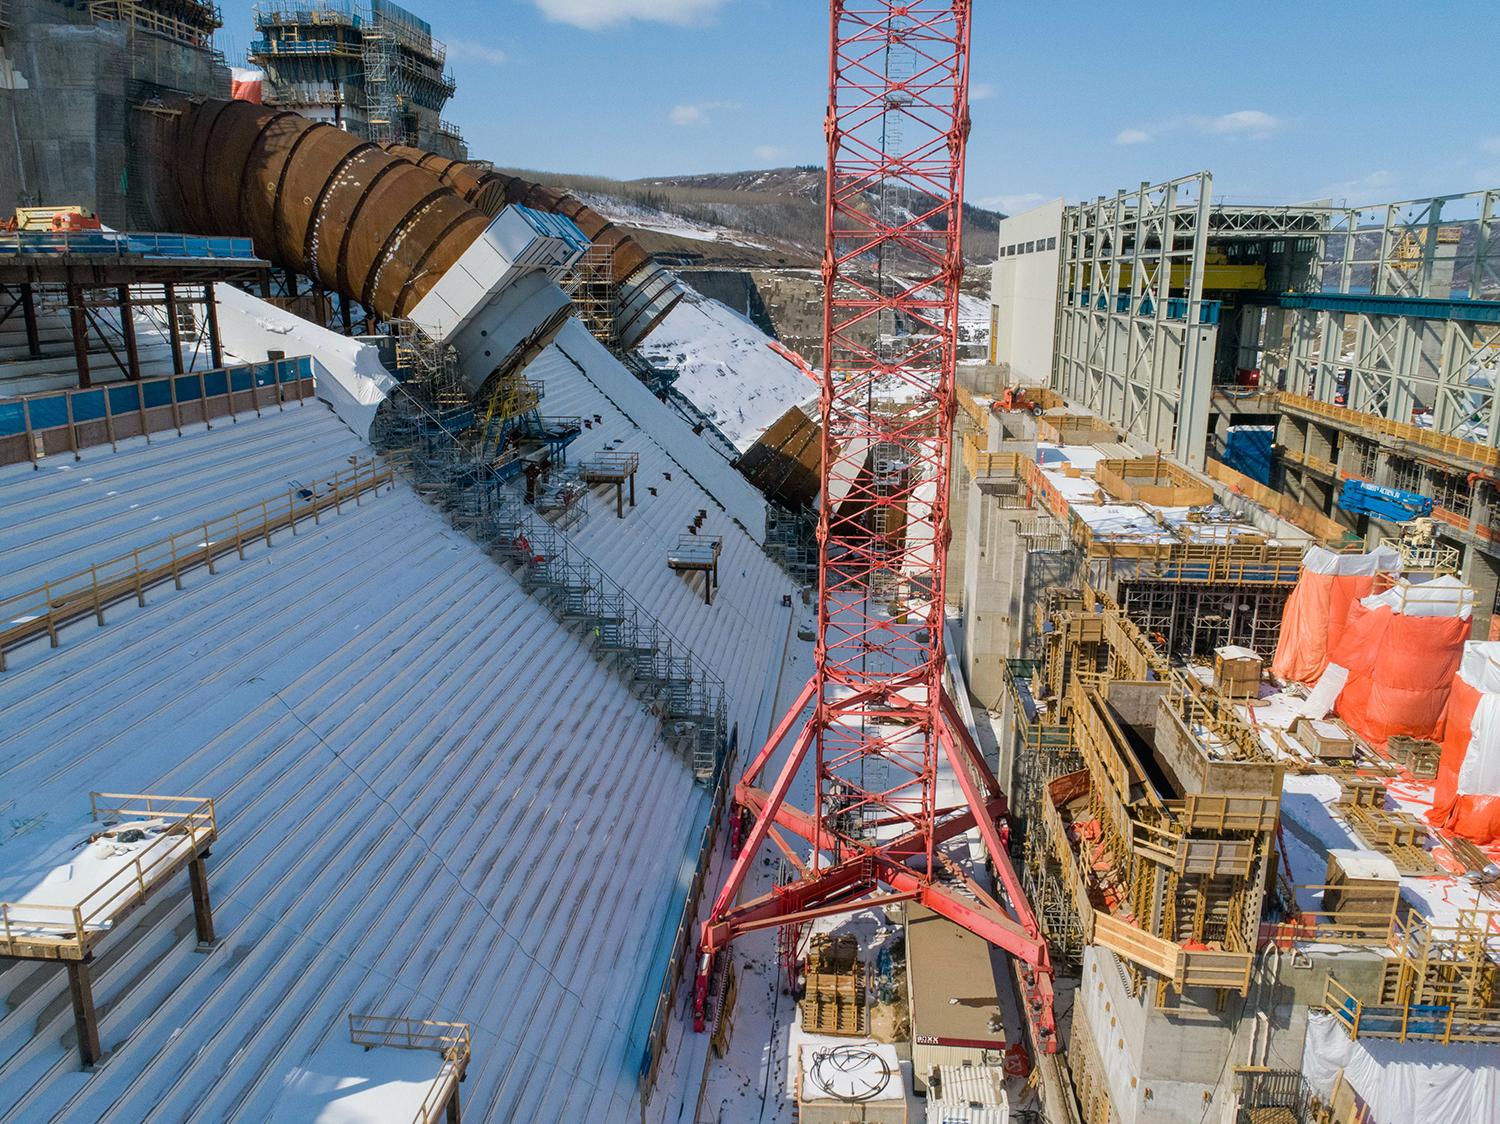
<point x="726" y="368"/>
<point x="427" y="791"/>
<point x="746" y="627"/>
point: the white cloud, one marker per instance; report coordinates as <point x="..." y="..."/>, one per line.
<point x="1132" y="136"/>
<point x="591" y="15"/>
<point x="1253" y="123"/>
<point x="698" y="112"/>
<point x="981" y="91"/>
<point x="1011" y="204"/>
<point x="770" y="153"/>
<point x="479" y="52"/>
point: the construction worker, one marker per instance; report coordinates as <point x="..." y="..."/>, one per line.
<point x="1004" y="830"/>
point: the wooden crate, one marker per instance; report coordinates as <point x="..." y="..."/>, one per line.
<point x="1366" y="792"/>
<point x="1325" y="738"/>
<point x="1362" y="891"/>
<point x="1237" y="672"/>
<point x="1420" y="756"/>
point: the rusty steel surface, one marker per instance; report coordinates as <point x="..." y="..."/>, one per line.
<point x="366" y="223"/>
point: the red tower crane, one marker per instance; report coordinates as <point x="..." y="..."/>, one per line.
<point x="875" y="718"/>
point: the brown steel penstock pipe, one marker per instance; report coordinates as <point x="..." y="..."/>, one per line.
<point x="366" y="223"/>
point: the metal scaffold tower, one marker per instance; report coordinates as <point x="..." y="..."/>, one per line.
<point x="874" y="721"/>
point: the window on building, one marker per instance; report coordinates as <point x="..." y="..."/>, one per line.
<point x="1030" y="247"/>
<point x="1052" y="243"/>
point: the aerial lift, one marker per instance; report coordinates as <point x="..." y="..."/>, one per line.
<point x="875" y="721"/>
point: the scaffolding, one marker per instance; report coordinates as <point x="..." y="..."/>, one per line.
<point x="382" y="109"/>
<point x="687" y="696"/>
<point x="591" y="286"/>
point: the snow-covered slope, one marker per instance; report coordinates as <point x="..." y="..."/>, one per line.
<point x="726" y="368"/>
<point x="433" y="799"/>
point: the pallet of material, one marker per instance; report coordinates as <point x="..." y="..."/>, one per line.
<point x="1400" y="836"/>
<point x="1419" y="755"/>
<point x="833" y="1001"/>
<point x="1367" y="792"/>
<point x="1325" y="739"/>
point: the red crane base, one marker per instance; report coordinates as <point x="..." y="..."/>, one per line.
<point x="852" y="881"/>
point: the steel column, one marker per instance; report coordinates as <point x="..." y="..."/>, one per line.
<point x="174" y="332"/>
<point x="85" y="1019"/>
<point x="127" y="331"/>
<point x="80" y="327"/>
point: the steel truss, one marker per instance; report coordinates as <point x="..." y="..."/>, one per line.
<point x="1443" y="248"/>
<point x="875" y="717"/>
<point x="1125" y="348"/>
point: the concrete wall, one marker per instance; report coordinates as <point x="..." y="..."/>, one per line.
<point x="66" y="88"/>
<point x="1024" y="293"/>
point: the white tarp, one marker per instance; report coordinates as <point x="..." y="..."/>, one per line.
<point x="1319" y="561"/>
<point x="1479" y="775"/>
<point x="1405" y="1082"/>
<point x="350" y="376"/>
<point x="1442" y="597"/>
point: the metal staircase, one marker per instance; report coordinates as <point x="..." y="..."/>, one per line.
<point x="688" y="698"/>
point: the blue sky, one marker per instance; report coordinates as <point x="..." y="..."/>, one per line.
<point x="1363" y="101"/>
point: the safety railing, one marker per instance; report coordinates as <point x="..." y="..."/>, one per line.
<point x="450" y="1040"/>
<point x="122" y="246"/>
<point x="67" y="931"/>
<point x="474" y="495"/>
<point x="1362" y="422"/>
<point x="46" y="609"/>
<point x="39" y="425"/>
<point x="1407" y="1022"/>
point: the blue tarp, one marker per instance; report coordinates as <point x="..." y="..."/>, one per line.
<point x="1249" y="449"/>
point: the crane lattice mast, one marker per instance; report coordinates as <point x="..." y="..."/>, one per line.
<point x="875" y="717"/>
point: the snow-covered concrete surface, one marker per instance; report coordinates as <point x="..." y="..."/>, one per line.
<point x="678" y="477"/>
<point x="67" y="515"/>
<point x="342" y="1083"/>
<point x="433" y="800"/>
<point x="726" y="368"/>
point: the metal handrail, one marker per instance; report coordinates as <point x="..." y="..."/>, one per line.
<point x="123" y="246"/>
<point x="90" y="592"/>
<point x="451" y="1040"/>
<point x="193" y="819"/>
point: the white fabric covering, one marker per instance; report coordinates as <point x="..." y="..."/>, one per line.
<point x="350" y="376"/>
<point x="1320" y="561"/>
<point x="1405" y="1082"/>
<point x="1479" y="775"/>
<point x="1441" y="597"/>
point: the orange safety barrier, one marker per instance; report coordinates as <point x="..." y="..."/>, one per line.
<point x="1312" y="624"/>
<point x="1401" y="671"/>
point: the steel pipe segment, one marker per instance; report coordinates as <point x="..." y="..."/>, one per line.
<point x="366" y="223"/>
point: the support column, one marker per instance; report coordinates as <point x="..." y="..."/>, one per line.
<point x="127" y="330"/>
<point x="28" y="311"/>
<point x="344" y="316"/>
<point x="84" y="1017"/>
<point x="174" y="330"/>
<point x="211" y="310"/>
<point x="80" y="334"/>
<point x="455" y="1113"/>
<point x="203" y="913"/>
